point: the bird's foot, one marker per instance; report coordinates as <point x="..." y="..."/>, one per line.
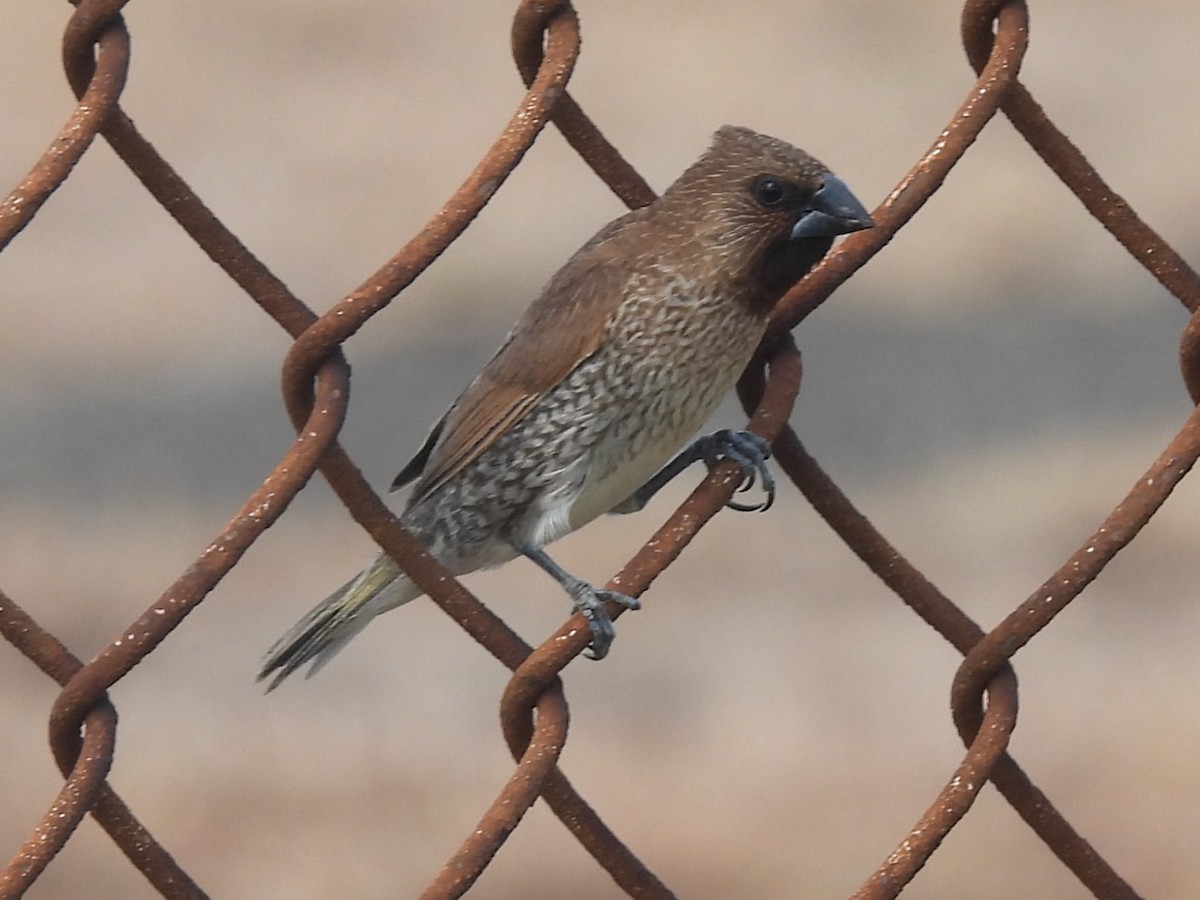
<point x="586" y="599"/>
<point x="745" y="448"/>
<point x="750" y="452"/>
<point x="589" y="602"/>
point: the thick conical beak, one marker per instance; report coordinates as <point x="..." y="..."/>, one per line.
<point x="833" y="210"/>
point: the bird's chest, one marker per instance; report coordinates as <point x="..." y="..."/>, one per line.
<point x="664" y="371"/>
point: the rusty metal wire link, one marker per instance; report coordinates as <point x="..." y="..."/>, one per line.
<point x="534" y="711"/>
<point x="323" y="336"/>
<point x="83" y="783"/>
<point x="541" y="668"/>
<point x="996" y="75"/>
<point x="73" y="139"/>
<point x="528" y="34"/>
<point x="85" y="789"/>
<point x="984" y="728"/>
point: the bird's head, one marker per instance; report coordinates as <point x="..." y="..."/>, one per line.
<point x="760" y="210"/>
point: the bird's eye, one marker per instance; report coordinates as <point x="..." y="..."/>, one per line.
<point x="769" y="190"/>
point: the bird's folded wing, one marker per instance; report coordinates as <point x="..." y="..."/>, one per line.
<point x="564" y="326"/>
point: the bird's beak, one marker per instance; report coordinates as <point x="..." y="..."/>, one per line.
<point x="833" y="210"/>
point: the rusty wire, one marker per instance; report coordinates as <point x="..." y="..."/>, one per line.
<point x="534" y="712"/>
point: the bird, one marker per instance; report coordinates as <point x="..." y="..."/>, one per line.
<point x="588" y="405"/>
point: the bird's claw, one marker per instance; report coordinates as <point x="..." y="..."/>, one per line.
<point x="750" y="452"/>
<point x="589" y="602"/>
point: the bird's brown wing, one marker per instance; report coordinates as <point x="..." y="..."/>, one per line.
<point x="561" y="328"/>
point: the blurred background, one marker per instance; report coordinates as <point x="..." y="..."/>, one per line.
<point x="774" y="720"/>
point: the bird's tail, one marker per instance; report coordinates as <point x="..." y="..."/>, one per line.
<point x="336" y="619"/>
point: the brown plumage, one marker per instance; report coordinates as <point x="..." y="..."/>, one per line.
<point x="607" y="374"/>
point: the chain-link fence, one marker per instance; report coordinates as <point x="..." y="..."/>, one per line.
<point x="316" y="388"/>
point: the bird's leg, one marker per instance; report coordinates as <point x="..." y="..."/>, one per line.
<point x="588" y="600"/>
<point x="745" y="448"/>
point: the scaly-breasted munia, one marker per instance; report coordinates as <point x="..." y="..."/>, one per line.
<point x="608" y="373"/>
